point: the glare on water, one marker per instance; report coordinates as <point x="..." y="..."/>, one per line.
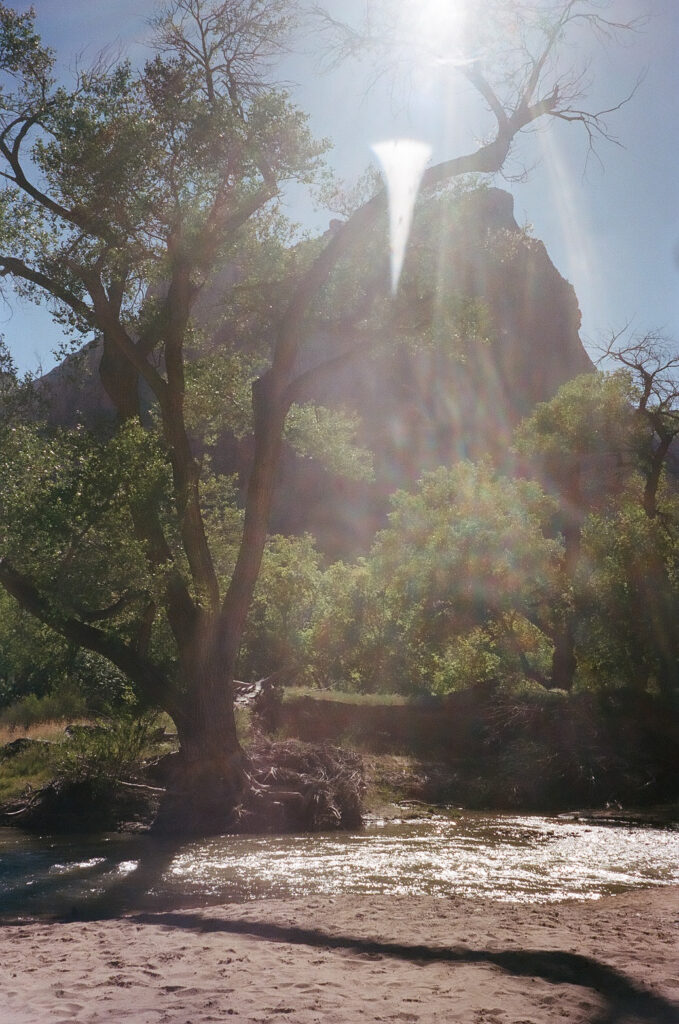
<point x="508" y="858"/>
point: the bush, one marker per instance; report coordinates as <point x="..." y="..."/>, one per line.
<point x="109" y="751"/>
<point x="28" y="767"/>
<point x="32" y="710"/>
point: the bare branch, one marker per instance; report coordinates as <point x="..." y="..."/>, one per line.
<point x="652" y="362"/>
<point x="234" y="43"/>
<point x="473" y="73"/>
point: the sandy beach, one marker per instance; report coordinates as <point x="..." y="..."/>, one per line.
<point x="332" y="961"/>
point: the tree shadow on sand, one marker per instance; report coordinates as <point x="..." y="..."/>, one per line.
<point x="624" y="998"/>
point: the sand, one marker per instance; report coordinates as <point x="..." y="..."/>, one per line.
<point x="333" y="961"/>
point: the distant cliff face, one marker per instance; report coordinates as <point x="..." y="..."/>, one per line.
<point x="418" y="409"/>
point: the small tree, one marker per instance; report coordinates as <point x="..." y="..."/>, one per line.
<point x="459" y="588"/>
<point x="582" y="444"/>
<point x="627" y="599"/>
<point x="123" y="197"/>
<point x="602" y="445"/>
<point x="652" y="365"/>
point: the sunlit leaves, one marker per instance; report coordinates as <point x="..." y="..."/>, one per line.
<point x="218" y="396"/>
<point x="125" y="162"/>
<point x="452" y="592"/>
<point x="223" y="519"/>
<point x="329" y="436"/>
<point x="65" y="511"/>
<point x="277" y="631"/>
<point x="21" y="51"/>
<point x="469" y="543"/>
<point x="590" y="415"/>
<point x="628" y="593"/>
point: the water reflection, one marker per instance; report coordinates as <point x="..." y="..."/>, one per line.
<point x="523" y="859"/>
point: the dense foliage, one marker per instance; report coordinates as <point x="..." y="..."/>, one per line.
<point x="467" y="584"/>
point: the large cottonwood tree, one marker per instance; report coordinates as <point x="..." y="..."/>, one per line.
<point x="122" y="197"/>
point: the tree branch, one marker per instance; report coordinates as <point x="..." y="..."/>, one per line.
<point x="185" y="469"/>
<point x="87" y="224"/>
<point x="473" y="74"/>
<point x="109" y="323"/>
<point x="152" y="683"/>
<point x="10" y="265"/>
<point x="104" y="614"/>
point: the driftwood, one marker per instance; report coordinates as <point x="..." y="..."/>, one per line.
<point x="141" y="787"/>
<point x="265" y="698"/>
<point x="291" y="787"/>
<point x="246" y="693"/>
<point x="302" y="787"/>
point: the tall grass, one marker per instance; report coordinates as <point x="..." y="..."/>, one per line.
<point x="108" y="752"/>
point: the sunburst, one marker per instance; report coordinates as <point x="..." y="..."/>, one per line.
<point x="434" y="29"/>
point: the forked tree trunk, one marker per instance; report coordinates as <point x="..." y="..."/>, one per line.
<point x="208" y="793"/>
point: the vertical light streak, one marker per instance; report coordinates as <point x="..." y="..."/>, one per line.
<point x="403" y="162"/>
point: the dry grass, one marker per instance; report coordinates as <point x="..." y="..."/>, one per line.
<point x="50" y="731"/>
<point x="344" y="696"/>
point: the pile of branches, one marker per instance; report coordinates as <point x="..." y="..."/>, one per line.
<point x="302" y="787"/>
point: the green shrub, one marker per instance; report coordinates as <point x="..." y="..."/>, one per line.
<point x="29" y="768"/>
<point x="109" y="751"/>
<point x="53" y="707"/>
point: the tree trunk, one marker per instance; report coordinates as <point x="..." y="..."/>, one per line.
<point x="564" y="662"/>
<point x="206" y="791"/>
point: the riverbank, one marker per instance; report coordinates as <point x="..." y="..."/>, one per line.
<point x="530" y="750"/>
<point x="350" y="959"/>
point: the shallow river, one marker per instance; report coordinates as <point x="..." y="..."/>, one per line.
<point x="524" y="859"/>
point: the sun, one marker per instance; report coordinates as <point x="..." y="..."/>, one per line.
<point x="435" y="29"/>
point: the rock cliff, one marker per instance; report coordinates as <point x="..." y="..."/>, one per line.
<point x="421" y="408"/>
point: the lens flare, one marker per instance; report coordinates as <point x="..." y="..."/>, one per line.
<point x="403" y="162"/>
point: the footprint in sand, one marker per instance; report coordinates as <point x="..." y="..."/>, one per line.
<point x="119" y="980"/>
<point x="72" y="1008"/>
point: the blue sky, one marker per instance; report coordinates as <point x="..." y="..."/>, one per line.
<point x="612" y="229"/>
